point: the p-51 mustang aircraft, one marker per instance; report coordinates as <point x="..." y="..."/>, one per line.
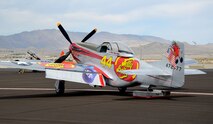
<point x="113" y="64"/>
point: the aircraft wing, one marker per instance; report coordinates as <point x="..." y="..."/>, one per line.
<point x="78" y="73"/>
<point x="29" y="65"/>
<point x="187" y="62"/>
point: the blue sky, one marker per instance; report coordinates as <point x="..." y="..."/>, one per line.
<point x="183" y="20"/>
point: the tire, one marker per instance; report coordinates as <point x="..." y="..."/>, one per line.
<point x="60" y="87"/>
<point x="122" y="90"/>
<point x="166" y="93"/>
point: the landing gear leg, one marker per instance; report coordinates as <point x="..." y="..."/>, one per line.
<point x="122" y="90"/>
<point x="150" y="88"/>
<point x="59" y="87"/>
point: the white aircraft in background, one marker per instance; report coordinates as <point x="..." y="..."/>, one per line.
<point x="113" y="64"/>
<point x="31" y="63"/>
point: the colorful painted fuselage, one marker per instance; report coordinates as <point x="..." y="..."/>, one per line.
<point x="108" y="63"/>
<point x="111" y="62"/>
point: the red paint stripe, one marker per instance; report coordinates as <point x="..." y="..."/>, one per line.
<point x="101" y="80"/>
<point x="88" y="53"/>
<point x="76" y="58"/>
<point x="100" y="71"/>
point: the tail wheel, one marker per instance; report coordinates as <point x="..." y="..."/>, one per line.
<point x="60" y="87"/>
<point x="122" y="89"/>
<point x="166" y="93"/>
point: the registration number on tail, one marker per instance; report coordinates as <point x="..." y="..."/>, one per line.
<point x="178" y="68"/>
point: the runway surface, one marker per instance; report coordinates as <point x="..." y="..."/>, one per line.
<point x="30" y="98"/>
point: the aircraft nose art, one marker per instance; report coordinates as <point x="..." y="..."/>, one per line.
<point x="125" y="64"/>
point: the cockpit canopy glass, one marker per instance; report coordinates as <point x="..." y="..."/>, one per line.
<point x="116" y="47"/>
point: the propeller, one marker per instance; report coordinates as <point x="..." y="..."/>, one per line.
<point x="89" y="35"/>
<point x="62" y="58"/>
<point x="64" y="32"/>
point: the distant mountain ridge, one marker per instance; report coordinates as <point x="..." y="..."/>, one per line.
<point x="51" y="38"/>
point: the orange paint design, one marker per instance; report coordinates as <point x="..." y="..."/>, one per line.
<point x="125" y="64"/>
<point x="62" y="53"/>
<point x="64" y="65"/>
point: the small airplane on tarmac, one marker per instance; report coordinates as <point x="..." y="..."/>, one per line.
<point x="113" y="64"/>
<point x="31" y="63"/>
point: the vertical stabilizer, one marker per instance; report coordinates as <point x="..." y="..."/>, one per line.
<point x="176" y="63"/>
<point x="173" y="63"/>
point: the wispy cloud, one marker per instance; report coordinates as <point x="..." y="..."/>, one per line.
<point x="185" y="19"/>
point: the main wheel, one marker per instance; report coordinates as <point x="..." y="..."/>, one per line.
<point x="59" y="87"/>
<point x="122" y="90"/>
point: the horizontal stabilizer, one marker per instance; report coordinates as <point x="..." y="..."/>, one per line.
<point x="146" y="72"/>
<point x="193" y="72"/>
<point x="190" y="62"/>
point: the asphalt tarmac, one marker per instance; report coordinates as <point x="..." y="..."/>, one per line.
<point x="30" y="98"/>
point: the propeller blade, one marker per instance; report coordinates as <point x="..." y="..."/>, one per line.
<point x="62" y="58"/>
<point x="89" y="35"/>
<point x="64" y="32"/>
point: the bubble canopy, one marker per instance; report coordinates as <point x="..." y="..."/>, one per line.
<point x="116" y="47"/>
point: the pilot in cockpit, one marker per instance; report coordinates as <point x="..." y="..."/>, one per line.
<point x="115" y="48"/>
<point x="104" y="48"/>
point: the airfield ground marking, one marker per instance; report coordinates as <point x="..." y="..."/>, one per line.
<point x="52" y="89"/>
<point x="193" y="93"/>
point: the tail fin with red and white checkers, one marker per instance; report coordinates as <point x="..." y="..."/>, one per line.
<point x="173" y="63"/>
